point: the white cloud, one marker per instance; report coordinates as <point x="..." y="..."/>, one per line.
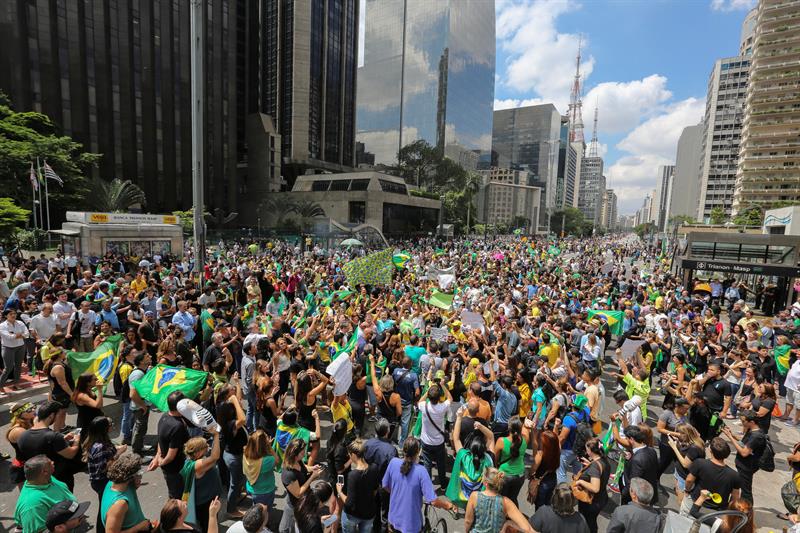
<point x="512" y="103"/>
<point x="623" y="105"/>
<point x="540" y="58"/>
<point x="632" y="178"/>
<point x="659" y="135"/>
<point x="733" y="5"/>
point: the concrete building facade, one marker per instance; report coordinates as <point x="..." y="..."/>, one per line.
<point x="662" y="196"/>
<point x="608" y="211"/>
<point x="507" y="195"/>
<point x="769" y="156"/>
<point x="592" y="189"/>
<point x="686" y="179"/>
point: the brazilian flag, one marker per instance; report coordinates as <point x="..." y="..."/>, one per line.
<point x="102" y="361"/>
<point x="400" y="259"/>
<point x="162" y="380"/>
<point x="612" y="318"/>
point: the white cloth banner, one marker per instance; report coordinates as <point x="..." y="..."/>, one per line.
<point x="341" y="370"/>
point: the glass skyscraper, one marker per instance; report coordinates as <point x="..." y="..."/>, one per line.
<point x="427" y="73"/>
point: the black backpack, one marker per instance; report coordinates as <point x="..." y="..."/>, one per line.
<point x="767" y="460"/>
<point x="583" y="433"/>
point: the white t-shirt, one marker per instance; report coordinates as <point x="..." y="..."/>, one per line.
<point x="63" y="311"/>
<point x="44" y="326"/>
<point x="433" y="414"/>
<point x="793" y="377"/>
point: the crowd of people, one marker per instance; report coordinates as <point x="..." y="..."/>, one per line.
<point x="349" y="396"/>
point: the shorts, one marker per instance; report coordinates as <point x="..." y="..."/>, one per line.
<point x="63" y="400"/>
<point x="793" y="398"/>
<point x="267" y="499"/>
<point x="679" y="481"/>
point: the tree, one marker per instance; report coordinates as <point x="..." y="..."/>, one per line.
<point x="471" y="188"/>
<point x="751" y="215"/>
<point x="307" y="210"/>
<point x="116" y="195"/>
<point x="644" y="229"/>
<point x="416" y="161"/>
<point x="520" y="222"/>
<point x="678" y="220"/>
<point x="28" y="136"/>
<point x="12" y="217"/>
<point x="277" y="207"/>
<point x="570" y="219"/>
<point x="717" y="215"/>
<point x="186" y="220"/>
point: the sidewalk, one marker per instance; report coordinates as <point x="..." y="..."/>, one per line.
<point x="28" y="386"/>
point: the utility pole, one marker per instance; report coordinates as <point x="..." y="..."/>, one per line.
<point x="197" y="33"/>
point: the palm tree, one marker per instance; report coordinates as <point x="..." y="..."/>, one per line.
<point x="307" y="210"/>
<point x="276" y="207"/>
<point x="472" y="186"/>
<point x="116" y="195"/>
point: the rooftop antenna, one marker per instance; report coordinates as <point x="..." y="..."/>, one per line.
<point x="575" y="104"/>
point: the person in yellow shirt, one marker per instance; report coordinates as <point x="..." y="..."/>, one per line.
<point x="550" y="349"/>
<point x="139" y="284"/>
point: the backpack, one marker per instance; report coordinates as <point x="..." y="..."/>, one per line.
<point x="583" y="433"/>
<point x="767" y="460"/>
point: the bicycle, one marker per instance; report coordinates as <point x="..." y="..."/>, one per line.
<point x="433" y="522"/>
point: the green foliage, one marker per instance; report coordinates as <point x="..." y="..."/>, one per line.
<point x="116" y="196"/>
<point x="423" y="194"/>
<point x="718" y="215"/>
<point x="644" y="229"/>
<point x="751" y="215"/>
<point x="571" y="220"/>
<point x="416" y="161"/>
<point x="520" y="222"/>
<point x="29" y="239"/>
<point x="12" y="217"/>
<point x="24" y="137"/>
<point x="678" y="220"/>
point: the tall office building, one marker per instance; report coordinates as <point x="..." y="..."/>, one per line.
<point x="114" y="75"/>
<point x="592" y="185"/>
<point x="727" y="88"/>
<point x="531" y="138"/>
<point x="507" y="196"/>
<point x="608" y="211"/>
<point x="662" y="197"/>
<point x="428" y="73"/>
<point x="769" y="158"/>
<point x="686" y="179"/>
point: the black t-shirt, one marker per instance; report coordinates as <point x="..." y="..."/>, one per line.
<point x="764" y="421"/>
<point x="714" y="392"/>
<point x="691" y="452"/>
<point x="211" y="354"/>
<point x="361" y="487"/>
<point x="235" y="439"/>
<point x="172" y="433"/>
<point x="545" y="520"/>
<point x="45" y="441"/>
<point x="288" y="476"/>
<point x="717" y="479"/>
<point x="756" y="441"/>
<point x="337" y="458"/>
<point x="602" y="470"/>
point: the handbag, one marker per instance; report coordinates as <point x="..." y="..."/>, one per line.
<point x="790" y="494"/>
<point x="581" y="494"/>
<point x="533" y="488"/>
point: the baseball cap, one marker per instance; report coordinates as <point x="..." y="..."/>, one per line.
<point x="64" y="511"/>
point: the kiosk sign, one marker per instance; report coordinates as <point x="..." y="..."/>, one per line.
<point x="741" y="268"/>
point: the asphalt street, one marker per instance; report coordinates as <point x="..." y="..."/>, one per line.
<point x="153" y="493"/>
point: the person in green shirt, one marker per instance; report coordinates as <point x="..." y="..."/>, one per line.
<point x="636" y="382"/>
<point x="120" y="507"/>
<point x="39" y="493"/>
<point x="207" y="322"/>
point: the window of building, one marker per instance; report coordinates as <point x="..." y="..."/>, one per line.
<point x="390" y="186"/>
<point x="359" y="185"/>
<point x="320" y="185"/>
<point x="357" y="212"/>
<point x="340" y="185"/>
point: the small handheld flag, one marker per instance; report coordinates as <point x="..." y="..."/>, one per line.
<point x="33" y="179"/>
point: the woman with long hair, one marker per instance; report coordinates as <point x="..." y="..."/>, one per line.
<point x="310" y="383"/>
<point x="200" y="472"/>
<point x="88" y="398"/>
<point x="488" y="509"/>
<point x="175" y="513"/>
<point x="259" y="464"/>
<point x="231" y="418"/>
<point x="594" y="480"/>
<point x="22" y="416"/>
<point x="296" y="479"/>
<point x="687" y="447"/>
<point x="359" y="491"/>
<point x="410" y="478"/>
<point x="357" y="396"/>
<point x="99" y="453"/>
<point x="510" y="453"/>
<point x="310" y="514"/>
<point x="763" y="403"/>
<point x="560" y="514"/>
<point x="59" y="375"/>
<point x="389" y="404"/>
<point x="546" y="461"/>
<point x="267" y="400"/>
<point x="337" y="456"/>
<point x="470" y="462"/>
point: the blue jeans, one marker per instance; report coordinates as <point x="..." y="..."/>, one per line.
<point x="236" y="476"/>
<point x="126" y="426"/>
<point x="351" y="524"/>
<point x="734" y="389"/>
<point x="405" y="422"/>
<point x="568" y="465"/>
<point x="252" y="414"/>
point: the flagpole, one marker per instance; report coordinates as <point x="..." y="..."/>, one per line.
<point x="39" y="178"/>
<point x="47" y="200"/>
<point x="33" y="192"/>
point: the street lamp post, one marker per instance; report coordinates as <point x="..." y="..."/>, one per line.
<point x="197" y="76"/>
<point x="440" y="229"/>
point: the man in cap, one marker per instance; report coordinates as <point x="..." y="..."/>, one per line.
<point x="68" y="516"/>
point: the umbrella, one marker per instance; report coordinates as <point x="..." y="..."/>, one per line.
<point x="702" y="287"/>
<point x="351" y="242"/>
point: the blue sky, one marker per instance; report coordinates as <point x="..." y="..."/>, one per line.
<point x="646" y="63"/>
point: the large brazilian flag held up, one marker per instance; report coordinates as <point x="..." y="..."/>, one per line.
<point x="161" y="381"/>
<point x="102" y="361"/>
<point x="612" y="318"/>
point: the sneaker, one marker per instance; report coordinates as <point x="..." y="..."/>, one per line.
<point x="791" y="423"/>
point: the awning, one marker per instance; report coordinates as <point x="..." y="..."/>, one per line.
<point x="66" y="232"/>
